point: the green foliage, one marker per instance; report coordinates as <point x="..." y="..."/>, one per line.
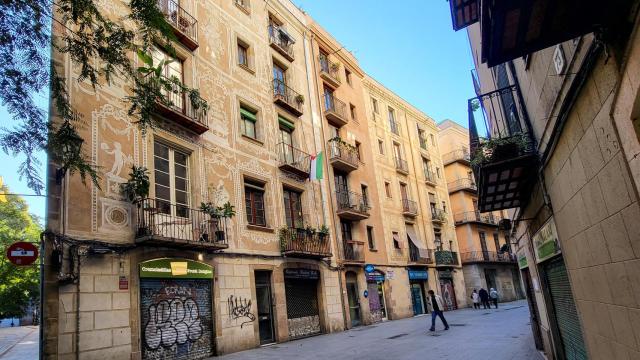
<point x="137" y="187"/>
<point x="338" y="140"/>
<point x="497" y="149"/>
<point x="19" y="286"/>
<point x="225" y="211"/>
<point x="324" y="230"/>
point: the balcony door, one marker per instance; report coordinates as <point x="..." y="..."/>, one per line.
<point x="293" y="208"/>
<point x="397" y="152"/>
<point x="328" y="99"/>
<point x="342" y="189"/>
<point x="173" y="68"/>
<point x="483" y="246"/>
<point x="279" y="80"/>
<point x="171" y="180"/>
<point x="403" y="192"/>
<point x="286" y="141"/>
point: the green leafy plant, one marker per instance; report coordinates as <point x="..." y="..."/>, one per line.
<point x="310" y="230"/>
<point x="137" y="187"/>
<point x="323" y="230"/>
<point x="284" y="234"/>
<point x="343" y="143"/>
<point x="497" y="149"/>
<point x="225" y="211"/>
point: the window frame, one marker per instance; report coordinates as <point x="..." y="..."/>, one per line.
<point x="172" y="202"/>
<point x="252" y="188"/>
<point x="245" y="118"/>
<point x="371" y="238"/>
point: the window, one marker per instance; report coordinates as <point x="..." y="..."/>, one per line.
<point x="438" y="172"/>
<point x="432" y="203"/>
<point x="345" y="228"/>
<point x="444" y="206"/>
<point x="387" y="189"/>
<point x="396" y="240"/>
<point x="244" y="5"/>
<point x="370" y="240"/>
<point x="286" y="147"/>
<point x="397" y="152"/>
<point x="352" y="109"/>
<point x="171" y="177"/>
<point x="404" y="195"/>
<point x="248" y="119"/>
<point x="433" y="140"/>
<point x="243" y="54"/>
<point x="374" y="104"/>
<point x="347" y="75"/>
<point x="426" y="165"/>
<point x="334" y="131"/>
<point x="279" y="80"/>
<point x="392" y="114"/>
<point x="422" y="138"/>
<point x="393" y="125"/>
<point x="254" y="203"/>
<point x="358" y="148"/>
<point x="324" y="61"/>
<point x="496" y="240"/>
<point x="381" y="147"/>
<point x="293" y="208"/>
<point x="365" y="194"/>
<point x="172" y="68"/>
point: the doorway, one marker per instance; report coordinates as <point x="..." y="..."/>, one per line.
<point x="533" y="309"/>
<point x="417" y="298"/>
<point x="490" y="277"/>
<point x="265" y="307"/>
<point x="375" y="288"/>
<point x="354" y="299"/>
<point x="448" y="294"/>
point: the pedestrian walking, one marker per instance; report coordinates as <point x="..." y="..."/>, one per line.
<point x="484" y="298"/>
<point x="435" y="304"/>
<point x="476" y="299"/>
<point x="494" y="297"/>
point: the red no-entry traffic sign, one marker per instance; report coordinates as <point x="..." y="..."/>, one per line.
<point x="22" y="253"/>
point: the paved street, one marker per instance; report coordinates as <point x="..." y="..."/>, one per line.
<point x="19" y="343"/>
<point x="502" y="334"/>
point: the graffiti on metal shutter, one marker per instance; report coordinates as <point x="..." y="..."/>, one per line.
<point x="176" y="318"/>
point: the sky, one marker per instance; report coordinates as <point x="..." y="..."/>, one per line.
<point x="407" y="45"/>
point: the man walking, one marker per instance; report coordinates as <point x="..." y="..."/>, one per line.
<point x="484" y="298"/>
<point x="494" y="297"/>
<point x="435" y="303"/>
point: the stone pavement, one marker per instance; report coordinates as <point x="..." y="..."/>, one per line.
<point x="502" y="334"/>
<point x="19" y="343"/>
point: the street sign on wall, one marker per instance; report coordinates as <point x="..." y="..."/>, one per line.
<point x="22" y="253"/>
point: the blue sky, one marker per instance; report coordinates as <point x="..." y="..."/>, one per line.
<point x="409" y="46"/>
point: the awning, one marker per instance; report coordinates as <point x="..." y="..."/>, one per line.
<point x="413" y="237"/>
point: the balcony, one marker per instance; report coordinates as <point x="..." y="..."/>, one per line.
<point x="353" y="252"/>
<point x="335" y="110"/>
<point x="462" y="184"/>
<point x="281" y="41"/>
<point x="352" y="206"/>
<point x="394" y="126"/>
<point x="184" y="26"/>
<point x="343" y="156"/>
<point x="511" y="29"/>
<point x="293" y="160"/>
<point x="430" y="177"/>
<point x="287" y="98"/>
<point x="504" y="160"/>
<point x="477" y="217"/>
<point x="177" y="106"/>
<point x="423" y="143"/>
<point x="402" y="166"/>
<point x="300" y="243"/>
<point x="243" y="5"/>
<point x="446" y="258"/>
<point x="438" y="215"/>
<point x="460" y="155"/>
<point x="475" y="257"/>
<point x="161" y="223"/>
<point x="329" y="71"/>
<point x="409" y="208"/>
<point x="417" y="257"/>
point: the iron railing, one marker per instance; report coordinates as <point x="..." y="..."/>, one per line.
<point x="352" y="201"/>
<point x="416" y="256"/>
<point x="446" y="257"/>
<point x="460" y="184"/>
<point x="180" y="101"/>
<point x="487" y="256"/>
<point x="336" y="106"/>
<point x="179" y="18"/>
<point x="438" y="215"/>
<point x="339" y="150"/>
<point x="291" y="156"/>
<point x="353" y="251"/>
<point x="243" y="4"/>
<point x="286" y="94"/>
<point x="160" y="219"/>
<point x="402" y="165"/>
<point x="409" y="207"/>
<point x="456" y="155"/>
<point x="303" y="242"/>
<point x="280" y="38"/>
<point x="329" y="68"/>
<point x="429" y="176"/>
<point x="394" y="126"/>
<point x="475" y="216"/>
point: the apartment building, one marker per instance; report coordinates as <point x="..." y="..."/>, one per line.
<point x="485" y="249"/>
<point x="417" y="224"/>
<point x="554" y="140"/>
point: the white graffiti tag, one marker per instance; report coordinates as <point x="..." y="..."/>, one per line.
<point x="174" y="322"/>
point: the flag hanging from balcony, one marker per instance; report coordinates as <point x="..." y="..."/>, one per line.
<point x="316" y="166"/>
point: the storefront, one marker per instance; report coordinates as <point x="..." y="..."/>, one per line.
<point x="175" y="308"/>
<point x="375" y="294"/>
<point x="447" y="290"/>
<point x="417" y="277"/>
<point x="301" y="289"/>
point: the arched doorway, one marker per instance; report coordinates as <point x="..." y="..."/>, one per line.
<point x="354" y="298"/>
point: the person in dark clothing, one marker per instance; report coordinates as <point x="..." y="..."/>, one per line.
<point x="484" y="298"/>
<point x="435" y="303"/>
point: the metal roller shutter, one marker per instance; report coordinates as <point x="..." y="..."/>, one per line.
<point x="302" y="307"/>
<point x="565" y="310"/>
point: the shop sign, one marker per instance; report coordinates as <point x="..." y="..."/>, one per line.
<point x="415" y="274"/>
<point x="302" y="274"/>
<point x="369" y="268"/>
<point x="522" y="261"/>
<point x="445" y="274"/>
<point x="390" y="274"/>
<point x="375" y="276"/>
<point x="123" y="283"/>
<point x="175" y="269"/>
<point x="545" y="241"/>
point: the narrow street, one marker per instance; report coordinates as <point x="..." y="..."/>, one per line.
<point x="502" y="334"/>
<point x="19" y="343"/>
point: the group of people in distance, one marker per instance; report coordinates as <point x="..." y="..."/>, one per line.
<point x="485" y="298"/>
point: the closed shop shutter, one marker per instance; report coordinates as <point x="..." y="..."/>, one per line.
<point x="565" y="310"/>
<point x="302" y="307"/>
<point x="176" y="318"/>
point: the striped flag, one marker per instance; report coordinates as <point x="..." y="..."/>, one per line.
<point x="316" y="167"/>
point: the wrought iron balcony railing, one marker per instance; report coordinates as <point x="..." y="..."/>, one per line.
<point x="429" y="176"/>
<point x="293" y="159"/>
<point x="162" y="223"/>
<point x="185" y="26"/>
<point x="352" y="205"/>
<point x="487" y="256"/>
<point x="420" y="257"/>
<point x="335" y="110"/>
<point x="178" y="105"/>
<point x="409" y="207"/>
<point x="402" y="165"/>
<point x="462" y="184"/>
<point x="438" y="215"/>
<point x="244" y="5"/>
<point x="303" y="243"/>
<point x="281" y="41"/>
<point x="353" y="251"/>
<point x="343" y="156"/>
<point x="461" y="155"/>
<point x="394" y="126"/>
<point x="329" y="70"/>
<point x="446" y="258"/>
<point x="286" y="97"/>
<point x="474" y="216"/>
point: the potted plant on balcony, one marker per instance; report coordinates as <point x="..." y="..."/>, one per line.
<point x="284" y="234"/>
<point x="497" y="149"/>
<point x="135" y="190"/>
<point x="335" y="67"/>
<point x="218" y="215"/>
<point x="323" y="232"/>
<point x="300" y="99"/>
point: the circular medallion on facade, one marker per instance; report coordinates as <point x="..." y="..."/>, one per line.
<point x="117" y="216"/>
